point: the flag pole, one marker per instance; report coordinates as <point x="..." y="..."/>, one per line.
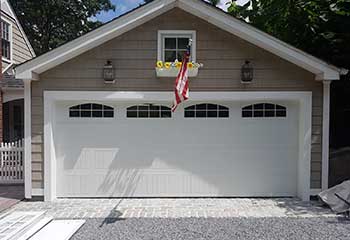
<point x="181" y="82"/>
<point x="190" y="41"/>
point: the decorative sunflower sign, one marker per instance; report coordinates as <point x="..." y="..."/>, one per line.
<point x="171" y="69"/>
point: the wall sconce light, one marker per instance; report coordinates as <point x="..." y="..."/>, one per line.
<point x="108" y="72"/>
<point x="247" y="72"/>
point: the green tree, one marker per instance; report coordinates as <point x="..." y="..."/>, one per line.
<point x="213" y="2"/>
<point x="320" y="27"/>
<point x="50" y="23"/>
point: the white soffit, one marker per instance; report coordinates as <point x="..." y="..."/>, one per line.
<point x="31" y="69"/>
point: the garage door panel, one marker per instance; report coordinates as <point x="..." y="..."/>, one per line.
<point x="176" y="157"/>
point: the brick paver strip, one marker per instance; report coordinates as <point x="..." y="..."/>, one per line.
<point x="10" y="195"/>
<point x="175" y="208"/>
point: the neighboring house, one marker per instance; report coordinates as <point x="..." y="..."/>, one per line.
<point x="86" y="137"/>
<point x="15" y="49"/>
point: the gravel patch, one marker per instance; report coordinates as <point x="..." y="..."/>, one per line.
<point x="215" y="228"/>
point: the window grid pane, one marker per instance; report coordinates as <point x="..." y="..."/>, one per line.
<point x="91" y="110"/>
<point x="5" y="33"/>
<point x="264" y="110"/>
<point x="6" y="49"/>
<point x="206" y="110"/>
<point x="174" y="48"/>
<point x="5" y="40"/>
<point x="150" y="111"/>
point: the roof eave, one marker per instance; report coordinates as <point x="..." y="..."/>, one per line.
<point x="321" y="69"/>
<point x="93" y="39"/>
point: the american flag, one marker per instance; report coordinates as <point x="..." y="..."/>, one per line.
<point x="181" y="83"/>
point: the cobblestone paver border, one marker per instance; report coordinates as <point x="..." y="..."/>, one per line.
<point x="176" y="208"/>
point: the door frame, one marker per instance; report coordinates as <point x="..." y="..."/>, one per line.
<point x="304" y="99"/>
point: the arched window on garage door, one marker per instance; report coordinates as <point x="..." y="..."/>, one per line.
<point x="206" y="110"/>
<point x="148" y="111"/>
<point x="91" y="110"/>
<point x="264" y="110"/>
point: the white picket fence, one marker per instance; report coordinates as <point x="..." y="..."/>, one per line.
<point x="11" y="162"/>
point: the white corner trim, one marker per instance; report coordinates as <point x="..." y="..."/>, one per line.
<point x="195" y="7"/>
<point x="303" y="98"/>
<point x="304" y="162"/>
<point x="37" y="192"/>
<point x="177" y="33"/>
<point x="49" y="151"/>
<point x="325" y="133"/>
<point x="27" y="141"/>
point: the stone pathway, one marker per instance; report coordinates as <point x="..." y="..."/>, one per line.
<point x="10" y="195"/>
<point x="176" y="208"/>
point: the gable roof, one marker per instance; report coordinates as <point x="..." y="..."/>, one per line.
<point x="8" y="10"/>
<point x="31" y="69"/>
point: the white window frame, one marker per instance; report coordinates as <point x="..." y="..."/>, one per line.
<point x="162" y="34"/>
<point x="11" y="41"/>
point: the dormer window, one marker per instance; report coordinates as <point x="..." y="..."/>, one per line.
<point x="172" y="45"/>
<point x="6" y="40"/>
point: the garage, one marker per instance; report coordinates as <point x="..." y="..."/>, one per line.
<point x="207" y="148"/>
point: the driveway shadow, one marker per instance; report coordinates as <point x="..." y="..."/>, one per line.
<point x="113" y="216"/>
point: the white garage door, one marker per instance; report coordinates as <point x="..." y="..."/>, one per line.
<point x="211" y="149"/>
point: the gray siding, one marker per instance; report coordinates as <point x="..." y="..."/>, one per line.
<point x="134" y="55"/>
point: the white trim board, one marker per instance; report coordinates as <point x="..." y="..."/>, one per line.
<point x="325" y="133"/>
<point x="27" y="140"/>
<point x="59" y="230"/>
<point x="42" y="223"/>
<point x="16" y="223"/>
<point x="321" y="69"/>
<point x="303" y="98"/>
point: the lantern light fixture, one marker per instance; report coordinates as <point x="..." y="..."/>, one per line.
<point x="108" y="72"/>
<point x="247" y="72"/>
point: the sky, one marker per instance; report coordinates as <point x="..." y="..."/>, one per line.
<point x="123" y="6"/>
